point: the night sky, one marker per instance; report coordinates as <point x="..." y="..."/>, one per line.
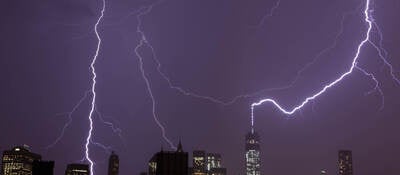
<point x="216" y="48"/>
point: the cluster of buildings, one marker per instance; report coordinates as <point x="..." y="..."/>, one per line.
<point x="21" y="161"/>
<point x="176" y="163"/>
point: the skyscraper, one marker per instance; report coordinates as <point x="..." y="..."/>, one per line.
<point x="345" y="162"/>
<point x="113" y="164"/>
<point x="252" y="154"/>
<point x="77" y="169"/>
<point x="207" y="164"/>
<point x="213" y="161"/>
<point x="199" y="163"/>
<point x="18" y="161"/>
<point x="169" y="162"/>
<point x="214" y="164"/>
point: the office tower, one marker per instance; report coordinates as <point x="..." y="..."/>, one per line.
<point x="77" y="169"/>
<point x="169" y="162"/>
<point x="345" y="162"/>
<point x="43" y="167"/>
<point x="213" y="161"/>
<point x="18" y="161"/>
<point x="214" y="166"/>
<point x="252" y="154"/>
<point x="113" y="164"/>
<point x="199" y="163"/>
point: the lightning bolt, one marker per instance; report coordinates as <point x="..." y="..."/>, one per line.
<point x="270" y="14"/>
<point x="93" y="89"/>
<point x="143" y="42"/>
<point x="376" y="87"/>
<point x="369" y="21"/>
<point x="69" y="115"/>
<point x="249" y="95"/>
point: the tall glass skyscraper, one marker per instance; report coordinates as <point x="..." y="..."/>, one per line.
<point x="252" y="154"/>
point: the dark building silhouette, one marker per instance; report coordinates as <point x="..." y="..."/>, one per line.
<point x="18" y="161"/>
<point x="77" y="169"/>
<point x="345" y="162"/>
<point x="199" y="163"/>
<point x="252" y="153"/>
<point x="169" y="162"/>
<point x="113" y="164"/>
<point x="43" y="167"/>
<point x="143" y="173"/>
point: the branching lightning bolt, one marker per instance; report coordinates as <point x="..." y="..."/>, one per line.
<point x="143" y="42"/>
<point x="376" y="87"/>
<point x="369" y="21"/>
<point x="236" y="98"/>
<point x="93" y="89"/>
<point x="69" y="115"/>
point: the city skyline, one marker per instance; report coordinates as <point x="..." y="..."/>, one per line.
<point x="84" y="79"/>
<point x="20" y="160"/>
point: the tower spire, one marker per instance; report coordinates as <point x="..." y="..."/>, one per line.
<point x="179" y="149"/>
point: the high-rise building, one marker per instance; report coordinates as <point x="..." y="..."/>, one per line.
<point x="214" y="166"/>
<point x="113" y="164"/>
<point x="43" y="167"/>
<point x="77" y="169"/>
<point x="252" y="154"/>
<point x="18" y="161"/>
<point x="207" y="164"/>
<point x="213" y="161"/>
<point x="169" y="162"/>
<point x="199" y="163"/>
<point x="345" y="162"/>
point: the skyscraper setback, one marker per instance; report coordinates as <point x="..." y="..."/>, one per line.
<point x="345" y="162"/>
<point x="252" y="154"/>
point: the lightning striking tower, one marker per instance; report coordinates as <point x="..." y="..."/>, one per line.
<point x="369" y="22"/>
<point x="143" y="42"/>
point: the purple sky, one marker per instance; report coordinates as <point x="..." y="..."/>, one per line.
<point x="213" y="48"/>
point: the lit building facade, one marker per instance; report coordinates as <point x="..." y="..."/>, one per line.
<point x="113" y="164"/>
<point x="213" y="161"/>
<point x="77" y="169"/>
<point x="345" y="162"/>
<point x="199" y="163"/>
<point x="18" y="161"/>
<point x="214" y="166"/>
<point x="252" y="154"/>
